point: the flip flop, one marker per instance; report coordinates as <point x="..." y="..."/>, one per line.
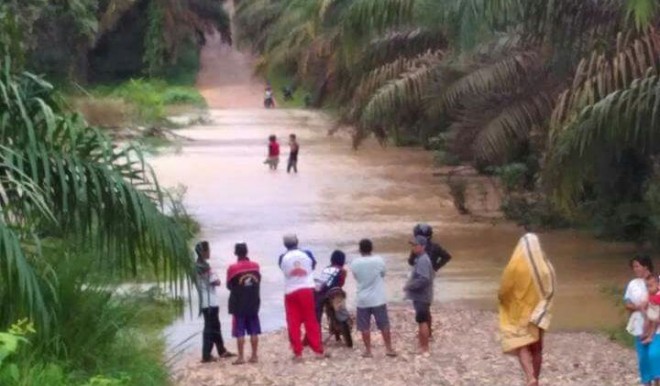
<point x="238" y="362"/>
<point x="367" y="355"/>
<point x="391" y="354"/>
<point x="253" y="360"/>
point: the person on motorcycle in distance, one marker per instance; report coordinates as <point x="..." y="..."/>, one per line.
<point x="269" y="101"/>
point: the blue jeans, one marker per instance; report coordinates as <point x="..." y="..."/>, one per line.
<point x="649" y="359"/>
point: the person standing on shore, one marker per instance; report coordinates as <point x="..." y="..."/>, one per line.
<point x="207" y="282"/>
<point x="369" y="273"/>
<point x="243" y="282"/>
<point x="526" y="295"/>
<point x="636" y="300"/>
<point x="298" y="268"/>
<point x="438" y="255"/>
<point x="293" y="154"/>
<point x="419" y="289"/>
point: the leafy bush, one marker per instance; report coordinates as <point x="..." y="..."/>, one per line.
<point x="182" y="95"/>
<point x="532" y="210"/>
<point x="445" y="158"/>
<point x="513" y="176"/>
<point x="457" y="190"/>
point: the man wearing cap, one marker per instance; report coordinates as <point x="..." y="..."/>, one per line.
<point x="419" y="289"/>
<point x="298" y="267"/>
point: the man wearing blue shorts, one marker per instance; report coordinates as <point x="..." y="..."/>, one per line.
<point x="369" y="272"/>
<point x="243" y="281"/>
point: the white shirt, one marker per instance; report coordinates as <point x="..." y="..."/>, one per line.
<point x="636" y="293"/>
<point x="207" y="294"/>
<point x="298" y="268"/>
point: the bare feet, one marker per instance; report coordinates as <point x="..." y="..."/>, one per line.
<point x="367" y="354"/>
<point x="297" y="359"/>
<point x="253" y="359"/>
<point x="391" y="354"/>
<point x="533" y="382"/>
<point x="239" y="361"/>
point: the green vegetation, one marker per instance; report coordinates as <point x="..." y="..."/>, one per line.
<point x="568" y="89"/>
<point x="78" y="214"/>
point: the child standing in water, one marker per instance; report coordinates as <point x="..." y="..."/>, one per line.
<point x="273" y="153"/>
<point x="293" y="154"/>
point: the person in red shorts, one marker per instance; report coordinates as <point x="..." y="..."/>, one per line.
<point x="243" y="282"/>
<point x="273" y="158"/>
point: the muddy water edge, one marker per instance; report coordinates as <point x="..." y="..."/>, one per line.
<point x="342" y="195"/>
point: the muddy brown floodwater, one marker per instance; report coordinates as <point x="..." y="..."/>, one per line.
<point x="340" y="196"/>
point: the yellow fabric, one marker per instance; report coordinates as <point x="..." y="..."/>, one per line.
<point x="526" y="295"/>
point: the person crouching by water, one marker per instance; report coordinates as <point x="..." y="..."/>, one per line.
<point x="419" y="289"/>
<point x="243" y="282"/>
<point x="207" y="281"/>
<point x="332" y="276"/>
<point x="298" y="268"/>
<point x="273" y="158"/>
<point x="526" y="295"/>
<point x="636" y="300"/>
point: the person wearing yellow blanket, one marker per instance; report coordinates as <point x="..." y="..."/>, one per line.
<point x="526" y="295"/>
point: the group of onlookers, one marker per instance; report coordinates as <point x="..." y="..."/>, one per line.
<point x="526" y="295"/>
<point x="304" y="294"/>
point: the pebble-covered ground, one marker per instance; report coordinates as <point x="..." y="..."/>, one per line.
<point x="465" y="351"/>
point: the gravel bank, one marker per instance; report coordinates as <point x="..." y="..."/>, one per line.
<point x="465" y="352"/>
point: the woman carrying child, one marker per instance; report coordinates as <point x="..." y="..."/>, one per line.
<point x="636" y="298"/>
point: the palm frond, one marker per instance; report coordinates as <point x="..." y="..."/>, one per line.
<point x="601" y="74"/>
<point x="496" y="78"/>
<point x="512" y="126"/>
<point x="405" y="91"/>
<point x="402" y="43"/>
<point x="626" y="118"/>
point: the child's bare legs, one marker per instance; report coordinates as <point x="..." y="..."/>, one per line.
<point x="649" y="329"/>
<point x="254" y="342"/>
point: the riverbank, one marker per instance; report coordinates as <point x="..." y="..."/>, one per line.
<point x="465" y="351"/>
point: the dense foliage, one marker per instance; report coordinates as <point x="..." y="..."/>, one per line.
<point x="565" y="88"/>
<point x="106" y="39"/>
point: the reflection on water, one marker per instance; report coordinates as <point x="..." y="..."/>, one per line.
<point x="340" y="196"/>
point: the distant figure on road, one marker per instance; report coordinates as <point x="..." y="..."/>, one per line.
<point x="243" y="282"/>
<point x="298" y="268"/>
<point x="419" y="289"/>
<point x="269" y="101"/>
<point x="207" y="282"/>
<point x="369" y="273"/>
<point x="526" y="294"/>
<point x="293" y="154"/>
<point x="273" y="158"/>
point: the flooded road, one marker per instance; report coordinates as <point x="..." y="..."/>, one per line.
<point x="341" y="196"/>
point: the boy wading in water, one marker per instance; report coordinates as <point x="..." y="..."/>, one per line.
<point x="207" y="282"/>
<point x="369" y="272"/>
<point x="273" y="153"/>
<point x="419" y="289"/>
<point x="243" y="282"/>
<point x="293" y="154"/>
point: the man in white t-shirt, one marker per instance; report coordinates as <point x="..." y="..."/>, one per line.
<point x="369" y="272"/>
<point x="298" y="268"/>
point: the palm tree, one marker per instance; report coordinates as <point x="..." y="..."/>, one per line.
<point x="60" y="178"/>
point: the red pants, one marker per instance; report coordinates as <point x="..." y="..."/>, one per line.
<point x="300" y="309"/>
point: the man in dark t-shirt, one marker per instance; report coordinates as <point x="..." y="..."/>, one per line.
<point x="294" y="147"/>
<point x="243" y="282"/>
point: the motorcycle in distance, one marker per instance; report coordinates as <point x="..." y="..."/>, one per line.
<point x="269" y="102"/>
<point x="339" y="319"/>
